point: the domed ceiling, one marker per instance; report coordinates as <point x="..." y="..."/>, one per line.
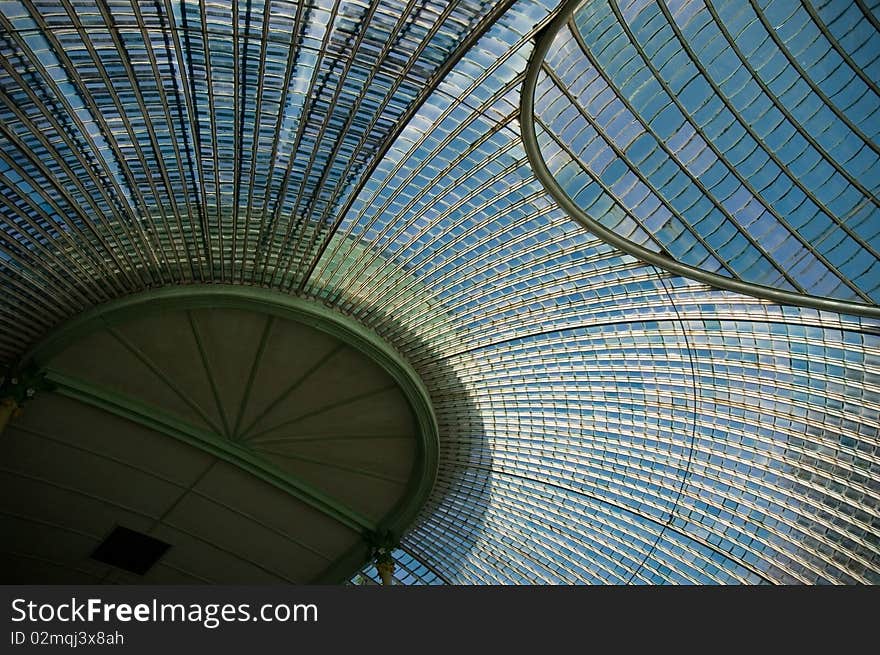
<point x="603" y="415"/>
<point x="293" y="434"/>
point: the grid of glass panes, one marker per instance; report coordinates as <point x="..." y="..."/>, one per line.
<point x="144" y="144"/>
<point x="739" y="138"/>
<point x="575" y="388"/>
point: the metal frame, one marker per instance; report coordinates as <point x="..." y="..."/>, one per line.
<point x="541" y="171"/>
<point x="271" y="304"/>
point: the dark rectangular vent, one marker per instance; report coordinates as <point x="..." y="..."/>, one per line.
<point x="130" y="550"/>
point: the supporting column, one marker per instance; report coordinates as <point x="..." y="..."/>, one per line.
<point x="381" y="546"/>
<point x="385" y="567"/>
<point x="8" y="408"/>
<point x="16" y="388"/>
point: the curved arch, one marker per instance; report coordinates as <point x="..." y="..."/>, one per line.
<point x="271" y="304"/>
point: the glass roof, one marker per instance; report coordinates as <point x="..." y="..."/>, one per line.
<point x="601" y="420"/>
<point x="738" y="139"/>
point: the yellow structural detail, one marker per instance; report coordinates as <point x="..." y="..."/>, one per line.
<point x="9" y="409"/>
<point x="386" y="571"/>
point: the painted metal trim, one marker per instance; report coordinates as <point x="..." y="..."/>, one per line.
<point x="205" y="440"/>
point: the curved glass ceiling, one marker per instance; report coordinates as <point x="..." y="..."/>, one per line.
<point x="601" y="420"/>
<point x="739" y="139"/>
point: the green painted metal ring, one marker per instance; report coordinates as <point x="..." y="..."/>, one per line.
<point x="306" y="312"/>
